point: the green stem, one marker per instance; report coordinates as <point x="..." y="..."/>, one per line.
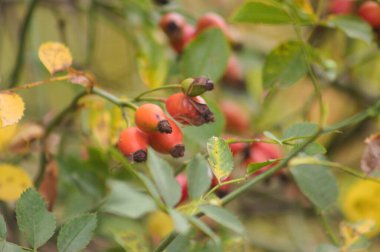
<point x="15" y="76"/>
<point x="253" y="140"/>
<point x="166" y="87"/>
<point x="162" y="246"/>
<point x="238" y="180"/>
<point x="113" y="99"/>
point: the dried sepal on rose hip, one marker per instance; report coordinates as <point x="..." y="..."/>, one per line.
<point x="171" y="143"/>
<point x="133" y="143"/>
<point x="189" y="110"/>
<point x="196" y="86"/>
<point x="150" y="118"/>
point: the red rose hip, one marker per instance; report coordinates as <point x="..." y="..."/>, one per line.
<point x="370" y="11"/>
<point x="341" y="6"/>
<point x="179" y="32"/>
<point x="189" y="110"/>
<point x="133" y="144"/>
<point x="150" y="118"/>
<point x="182" y="181"/>
<point x="168" y="143"/>
<point x="212" y="20"/>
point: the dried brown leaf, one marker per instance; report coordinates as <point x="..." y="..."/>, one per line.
<point x="48" y="187"/>
<point x="371" y="155"/>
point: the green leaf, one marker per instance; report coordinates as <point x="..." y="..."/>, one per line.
<point x="223" y="217"/>
<point x="220" y="157"/>
<point x="327" y="248"/>
<point x="317" y="183"/>
<point x="269" y="12"/>
<point x="76" y="233"/>
<point x="314" y="149"/>
<point x="125" y="201"/>
<point x="163" y="176"/>
<point x="151" y="188"/>
<point x="352" y="26"/>
<point x="180" y="243"/>
<point x="9" y="247"/>
<point x="180" y="222"/>
<point x="36" y="223"/>
<point x="285" y="65"/>
<point x="3" y="228"/>
<point x="207" y="55"/>
<point x="301" y="130"/>
<point x="198" y="177"/>
<point x="254" y="167"/>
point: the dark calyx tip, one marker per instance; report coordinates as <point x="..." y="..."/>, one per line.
<point x="164" y="127"/>
<point x="178" y="151"/>
<point x="162" y="1"/>
<point x="140" y="156"/>
<point x="208" y="116"/>
<point x="172" y="27"/>
<point x="209" y="85"/>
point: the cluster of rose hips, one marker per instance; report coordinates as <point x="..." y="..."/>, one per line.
<point x="237" y="122"/>
<point x="180" y="33"/>
<point x="154" y="128"/>
<point x="368" y="10"/>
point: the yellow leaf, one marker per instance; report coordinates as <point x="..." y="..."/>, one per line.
<point x="55" y="56"/>
<point x="11" y="108"/>
<point x="13" y="181"/>
<point x="6" y="136"/>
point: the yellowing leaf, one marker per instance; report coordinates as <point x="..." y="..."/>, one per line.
<point x="220" y="157"/>
<point x="13" y="181"/>
<point x="11" y="108"/>
<point x="305" y="6"/>
<point x="6" y="136"/>
<point x="152" y="75"/>
<point x="152" y="60"/>
<point x="55" y="56"/>
<point x="352" y="234"/>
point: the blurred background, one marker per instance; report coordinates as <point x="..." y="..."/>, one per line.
<point x="120" y="43"/>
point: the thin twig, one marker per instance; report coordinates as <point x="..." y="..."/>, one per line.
<point x="15" y="76"/>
